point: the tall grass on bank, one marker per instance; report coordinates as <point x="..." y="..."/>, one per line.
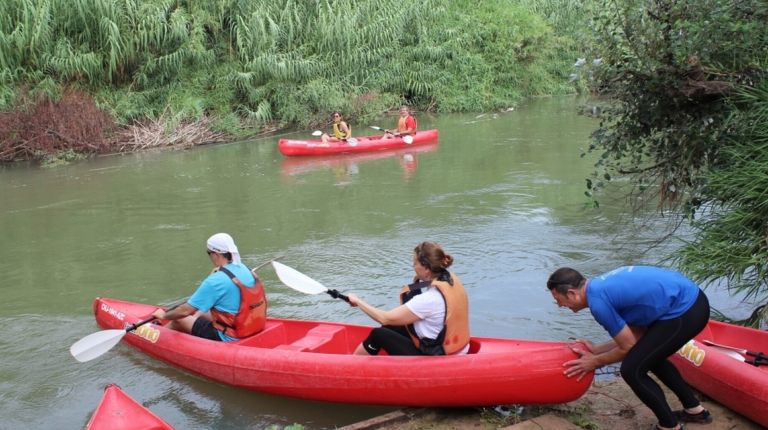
<point x="284" y="61"/>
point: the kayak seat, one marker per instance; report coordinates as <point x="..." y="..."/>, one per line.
<point x="272" y="334"/>
<point x="474" y="347"/>
<point x="321" y="338"/>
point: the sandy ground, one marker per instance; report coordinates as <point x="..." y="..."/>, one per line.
<point x="607" y="405"/>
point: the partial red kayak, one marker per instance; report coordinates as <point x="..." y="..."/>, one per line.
<point x="314" y="360"/>
<point x="293" y="147"/>
<point x="724" y="372"/>
<point x="118" y="411"/>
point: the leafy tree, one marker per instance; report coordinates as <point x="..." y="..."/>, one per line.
<point x="681" y="76"/>
<point x="731" y="239"/>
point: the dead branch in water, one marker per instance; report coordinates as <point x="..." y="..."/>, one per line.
<point x="153" y="133"/>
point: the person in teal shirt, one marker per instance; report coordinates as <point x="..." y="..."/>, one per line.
<point x="217" y="292"/>
<point x="650" y="313"/>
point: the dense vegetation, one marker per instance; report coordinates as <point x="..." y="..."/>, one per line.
<point x="688" y="124"/>
<point x="732" y="231"/>
<point x="687" y="120"/>
<point x="244" y="65"/>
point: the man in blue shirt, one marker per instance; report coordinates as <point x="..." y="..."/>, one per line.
<point x="650" y="313"/>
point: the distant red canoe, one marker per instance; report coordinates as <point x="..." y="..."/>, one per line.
<point x="118" y="411"/>
<point x="314" y="360"/>
<point x="722" y="373"/>
<point x="292" y="147"/>
<point x="300" y="165"/>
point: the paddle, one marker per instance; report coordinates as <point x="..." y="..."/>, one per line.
<point x="408" y="139"/>
<point x="760" y="357"/>
<point x="730" y="353"/>
<point x="303" y="283"/>
<point x="317" y="133"/>
<point x="96" y="344"/>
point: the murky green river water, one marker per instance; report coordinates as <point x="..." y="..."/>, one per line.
<point x="503" y="193"/>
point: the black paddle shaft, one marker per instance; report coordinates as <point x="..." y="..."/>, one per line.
<point x="337" y="295"/>
<point x="134" y="326"/>
<point x="759" y="360"/>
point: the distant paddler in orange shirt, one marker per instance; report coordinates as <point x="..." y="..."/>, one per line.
<point x="406" y="124"/>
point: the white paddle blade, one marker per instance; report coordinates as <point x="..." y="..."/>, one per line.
<point x="730" y="353"/>
<point x="317" y="133"/>
<point x="95" y="344"/>
<point x="408" y="139"/>
<point x="733" y="354"/>
<point x="377" y="128"/>
<point x="732" y="348"/>
<point x="297" y="280"/>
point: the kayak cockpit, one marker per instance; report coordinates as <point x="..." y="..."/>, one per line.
<point x="310" y="336"/>
<point x="306" y="337"/>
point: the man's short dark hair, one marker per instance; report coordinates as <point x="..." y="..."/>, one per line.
<point x="564" y="279"/>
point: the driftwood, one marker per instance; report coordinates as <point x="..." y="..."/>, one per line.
<point x="151" y="134"/>
<point x="698" y="83"/>
<point x="703" y="89"/>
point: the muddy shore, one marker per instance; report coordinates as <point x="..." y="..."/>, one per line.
<point x="607" y="405"/>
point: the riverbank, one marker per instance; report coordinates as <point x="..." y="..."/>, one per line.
<point x="606" y="405"/>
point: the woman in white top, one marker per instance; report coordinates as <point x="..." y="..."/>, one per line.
<point x="433" y="317"/>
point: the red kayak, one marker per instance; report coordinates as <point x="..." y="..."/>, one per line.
<point x="718" y="363"/>
<point x="118" y="411"/>
<point x="292" y="147"/>
<point x="314" y="360"/>
<point x="407" y="157"/>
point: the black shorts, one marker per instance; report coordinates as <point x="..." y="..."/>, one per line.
<point x="203" y="327"/>
<point x="393" y="339"/>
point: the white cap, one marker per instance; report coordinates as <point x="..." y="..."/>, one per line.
<point x="223" y="243"/>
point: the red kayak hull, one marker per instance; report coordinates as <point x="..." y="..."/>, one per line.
<point x="118" y="411"/>
<point x="407" y="158"/>
<point x="313" y="360"/>
<point x="295" y="148"/>
<point x="740" y="386"/>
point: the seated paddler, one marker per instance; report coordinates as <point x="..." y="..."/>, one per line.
<point x="228" y="305"/>
<point x="340" y="133"/>
<point x="433" y="317"/>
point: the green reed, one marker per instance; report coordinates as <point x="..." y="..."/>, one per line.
<point x="287" y="61"/>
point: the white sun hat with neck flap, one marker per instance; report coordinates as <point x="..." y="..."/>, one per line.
<point x="223" y="243"/>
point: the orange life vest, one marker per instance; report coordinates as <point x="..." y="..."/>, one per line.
<point x="455" y="333"/>
<point x="252" y="315"/>
<point x="402" y="124"/>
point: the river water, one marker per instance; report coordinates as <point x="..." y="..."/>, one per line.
<point x="503" y="193"/>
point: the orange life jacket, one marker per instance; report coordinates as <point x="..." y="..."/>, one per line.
<point x="455" y="333"/>
<point x="252" y="315"/>
<point x="402" y="124"/>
